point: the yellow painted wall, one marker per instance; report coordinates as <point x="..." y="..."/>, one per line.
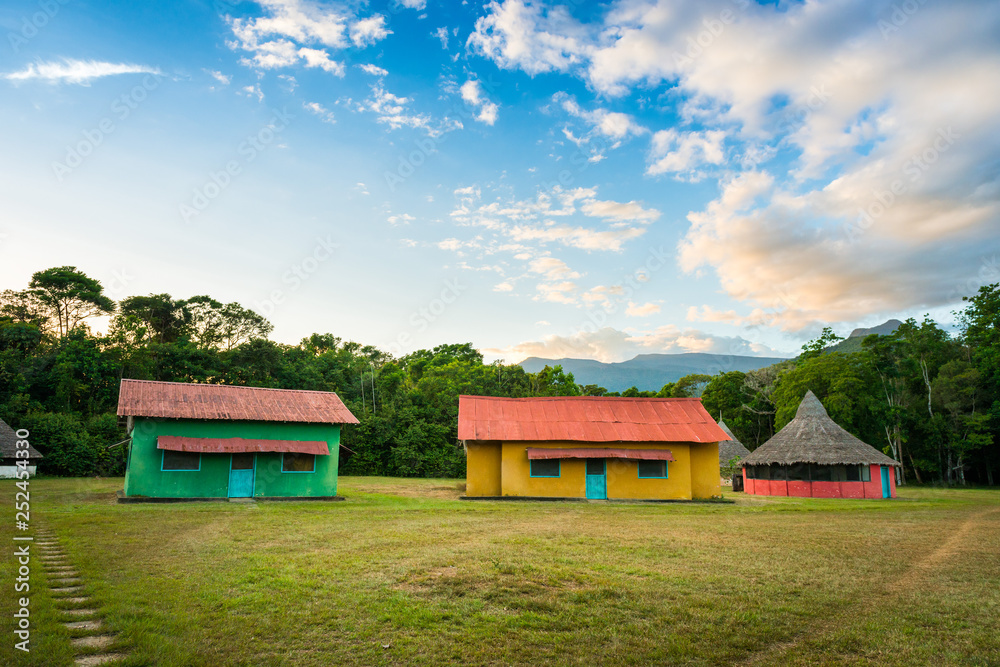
<point x="494" y="470"/>
<point x="517" y="480"/>
<point x="624" y="482"/>
<point x="705" y="470"/>
<point x="482" y="477"/>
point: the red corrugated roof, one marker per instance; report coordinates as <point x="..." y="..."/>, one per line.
<point x="599" y="453"/>
<point x="586" y="419"/>
<point x="237" y="445"/>
<point x="181" y="400"/>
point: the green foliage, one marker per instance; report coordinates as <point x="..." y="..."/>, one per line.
<point x="69" y="296"/>
<point x="73" y="447"/>
<point x="814" y="348"/>
<point x="730" y="467"/>
<point x="928" y="399"/>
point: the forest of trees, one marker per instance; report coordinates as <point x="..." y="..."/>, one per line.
<point x="926" y="398"/>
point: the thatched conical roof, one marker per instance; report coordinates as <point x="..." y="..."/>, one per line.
<point x="8" y="444"/>
<point x="812" y="437"/>
<point x="730" y="449"/>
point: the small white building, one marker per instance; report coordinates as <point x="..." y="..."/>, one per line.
<point x="8" y="453"/>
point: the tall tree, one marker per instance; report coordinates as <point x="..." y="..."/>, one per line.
<point x="885" y="355"/>
<point x="25" y="307"/>
<point x="221" y="326"/>
<point x="157" y="317"/>
<point x="980" y="322"/>
<point x="70" y="296"/>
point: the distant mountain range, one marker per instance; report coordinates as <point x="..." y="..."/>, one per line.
<point x="648" y="372"/>
<point x="852" y="343"/>
<point x="883" y="329"/>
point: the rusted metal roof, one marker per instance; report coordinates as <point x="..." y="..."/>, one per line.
<point x="586" y="419"/>
<point x="599" y="453"/>
<point x="182" y="400"/>
<point x="239" y="445"/>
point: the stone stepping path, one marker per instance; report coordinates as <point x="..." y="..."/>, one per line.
<point x="93" y="641"/>
<point x="99" y="659"/>
<point x="66" y="585"/>
<point x="85" y="625"/>
<point x="80" y="612"/>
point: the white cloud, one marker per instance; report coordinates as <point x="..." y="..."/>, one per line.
<point x="414" y="4"/>
<point x="861" y="223"/>
<point x="524" y="230"/>
<point x="321" y="59"/>
<point x="606" y="296"/>
<point x="563" y="292"/>
<point x="685" y="153"/>
<point x="401" y="219"/>
<point x="610" y="124"/>
<point x="219" y="76"/>
<point x="577" y="237"/>
<point x="252" y="91"/>
<point x="472" y="94"/>
<point x="442" y="34"/>
<point x="369" y="30"/>
<point x="515" y="34"/>
<point x="393" y="110"/>
<point x="526" y="221"/>
<point x="374" y="70"/>
<point x="361" y="188"/>
<point x="552" y="268"/>
<point x="450" y="244"/>
<point x="620" y="211"/>
<point x="611" y="345"/>
<point x="299" y="32"/>
<point x="322" y="112"/>
<point x="645" y="310"/>
<point x="80" y="72"/>
<point x="797" y="263"/>
<point x="299" y="20"/>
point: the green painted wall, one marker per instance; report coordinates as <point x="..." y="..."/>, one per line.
<point x="144" y="476"/>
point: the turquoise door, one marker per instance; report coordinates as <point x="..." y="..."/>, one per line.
<point x="597" y="479"/>
<point x="885" y="482"/>
<point x="241" y="476"/>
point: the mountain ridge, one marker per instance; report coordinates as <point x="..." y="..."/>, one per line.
<point x="648" y="372"/>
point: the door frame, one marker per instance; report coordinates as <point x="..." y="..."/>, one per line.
<point x="253" y="476"/>
<point x="603" y="476"/>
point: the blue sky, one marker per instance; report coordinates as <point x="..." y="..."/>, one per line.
<point x="587" y="180"/>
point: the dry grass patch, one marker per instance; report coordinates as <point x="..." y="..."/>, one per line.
<point x="404" y="573"/>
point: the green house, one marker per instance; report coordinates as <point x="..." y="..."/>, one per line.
<point x="199" y="441"/>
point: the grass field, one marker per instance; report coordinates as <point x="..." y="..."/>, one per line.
<point x="404" y="572"/>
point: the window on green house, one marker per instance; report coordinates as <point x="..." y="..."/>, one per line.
<point x="181" y="460"/>
<point x="298" y="462"/>
<point x="653" y="469"/>
<point x="545" y="467"/>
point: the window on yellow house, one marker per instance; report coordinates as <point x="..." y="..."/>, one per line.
<point x="545" y="467"/>
<point x="655" y="469"/>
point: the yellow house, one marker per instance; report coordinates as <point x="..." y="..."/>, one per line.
<point x="592" y="447"/>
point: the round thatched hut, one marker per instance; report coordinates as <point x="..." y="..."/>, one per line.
<point x="732" y="448"/>
<point x="813" y="457"/>
<point x="10" y="454"/>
